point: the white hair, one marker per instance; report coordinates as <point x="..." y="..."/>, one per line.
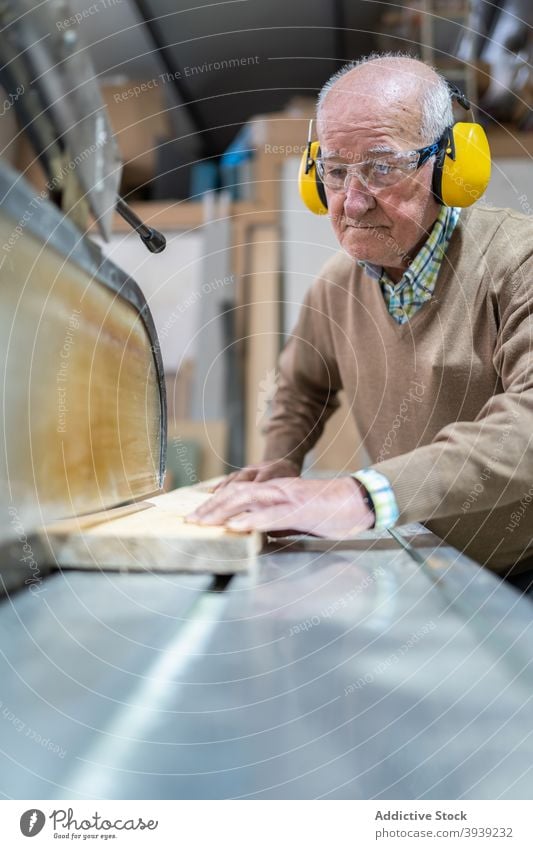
<point x="436" y="102"/>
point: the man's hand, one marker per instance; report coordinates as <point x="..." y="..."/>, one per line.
<point x="261" y="472"/>
<point x="329" y="508"/>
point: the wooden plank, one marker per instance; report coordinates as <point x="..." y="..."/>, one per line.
<point x="153" y="536"/>
<point x="88" y="520"/>
<point x="263" y="339"/>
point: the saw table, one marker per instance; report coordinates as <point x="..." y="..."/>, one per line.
<point x="370" y="669"/>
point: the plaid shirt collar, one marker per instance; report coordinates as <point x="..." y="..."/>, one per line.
<point x="418" y="281"/>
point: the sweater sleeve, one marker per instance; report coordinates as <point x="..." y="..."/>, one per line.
<point x="308" y="383"/>
<point x="486" y="463"/>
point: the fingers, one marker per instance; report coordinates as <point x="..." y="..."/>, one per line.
<point x="277" y="469"/>
<point x="264" y="475"/>
<point x="277" y="472"/>
<point x="247" y="474"/>
<point x="223" y="483"/>
<point x="260" y="473"/>
<point x="331" y="509"/>
<point x="228" y="503"/>
<point x="266" y="519"/>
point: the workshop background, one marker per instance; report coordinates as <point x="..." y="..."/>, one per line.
<point x="209" y="107"/>
<point x="189" y="685"/>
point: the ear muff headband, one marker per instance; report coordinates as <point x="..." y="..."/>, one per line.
<point x="460" y="175"/>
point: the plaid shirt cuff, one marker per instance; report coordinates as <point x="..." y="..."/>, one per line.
<point x="382" y="497"/>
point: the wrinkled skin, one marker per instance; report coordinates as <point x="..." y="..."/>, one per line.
<point x="261" y="472"/>
<point x="379" y="104"/>
<point x="330" y="508"/>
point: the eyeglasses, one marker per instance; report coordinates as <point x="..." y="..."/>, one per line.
<point x="380" y="172"/>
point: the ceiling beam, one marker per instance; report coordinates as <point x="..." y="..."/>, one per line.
<point x="186" y="98"/>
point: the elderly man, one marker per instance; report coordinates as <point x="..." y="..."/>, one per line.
<point x="423" y="319"/>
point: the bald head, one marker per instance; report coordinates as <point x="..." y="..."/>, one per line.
<point x="412" y="93"/>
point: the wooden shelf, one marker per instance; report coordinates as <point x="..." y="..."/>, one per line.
<point x="506" y="141"/>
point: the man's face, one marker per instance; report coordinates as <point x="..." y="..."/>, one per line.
<point x="388" y="225"/>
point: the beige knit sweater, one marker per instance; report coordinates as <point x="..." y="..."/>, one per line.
<point x="444" y="402"/>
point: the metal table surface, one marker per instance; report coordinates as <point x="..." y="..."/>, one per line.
<point x="341" y="673"/>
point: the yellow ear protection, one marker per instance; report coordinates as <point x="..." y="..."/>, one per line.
<point x="460" y="175"/>
<point x="311" y="188"/>
<point x="462" y="165"/>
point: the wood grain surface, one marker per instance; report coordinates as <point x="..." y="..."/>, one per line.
<point x="152" y="535"/>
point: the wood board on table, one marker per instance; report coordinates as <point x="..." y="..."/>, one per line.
<point x="152" y="535"/>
